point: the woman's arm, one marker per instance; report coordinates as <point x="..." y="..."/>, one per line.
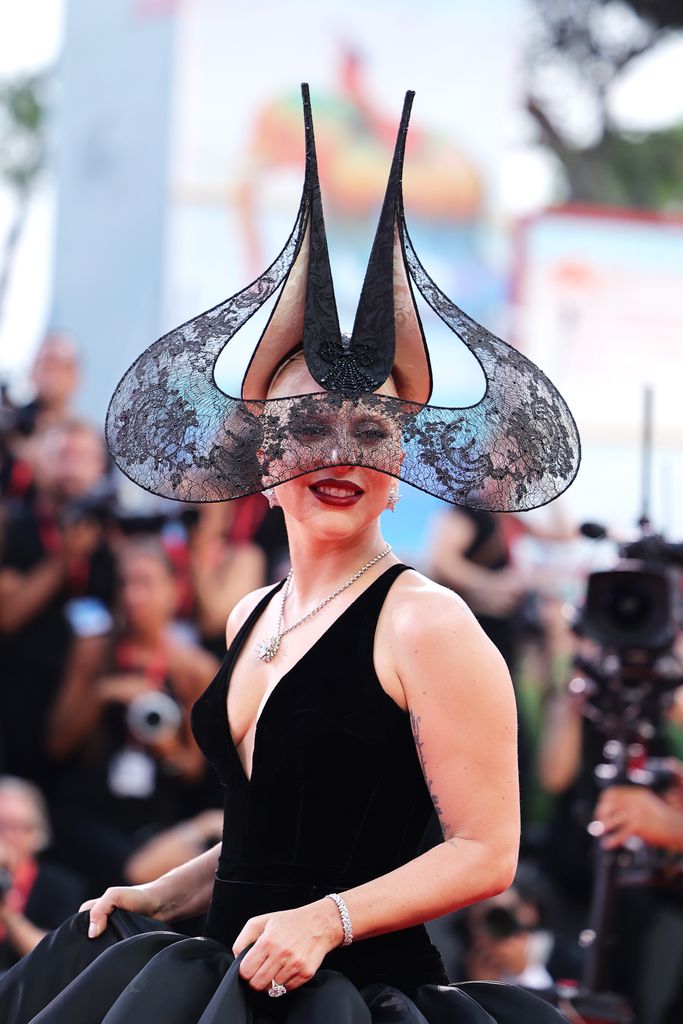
<point x="462" y="709"/>
<point x="184" y="891"/>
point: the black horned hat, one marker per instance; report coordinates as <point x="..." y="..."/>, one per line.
<point x="173" y="431"/>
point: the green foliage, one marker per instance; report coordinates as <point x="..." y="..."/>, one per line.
<point x="645" y="170"/>
<point x="23" y="129"/>
<point x="579" y="51"/>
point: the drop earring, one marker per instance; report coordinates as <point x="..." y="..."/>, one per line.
<point x="393" y="498"/>
<point x="270" y="496"/>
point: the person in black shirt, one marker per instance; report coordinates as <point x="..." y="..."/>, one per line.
<point x="36" y="894"/>
<point x="55" y="376"/>
<point x="53" y="555"/>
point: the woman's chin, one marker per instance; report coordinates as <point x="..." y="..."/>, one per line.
<point x="330" y="523"/>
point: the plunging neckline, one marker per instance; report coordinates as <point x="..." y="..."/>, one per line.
<point x="240" y="641"/>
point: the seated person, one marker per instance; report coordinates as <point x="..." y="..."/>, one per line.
<point x="35" y="894"/>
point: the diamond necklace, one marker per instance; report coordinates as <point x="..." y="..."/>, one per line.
<point x="267" y="650"/>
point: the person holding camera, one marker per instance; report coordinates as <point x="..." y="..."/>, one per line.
<point x="54" y="561"/>
<point x="120" y="724"/>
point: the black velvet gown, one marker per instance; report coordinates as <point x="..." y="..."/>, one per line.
<point x="336" y="798"/>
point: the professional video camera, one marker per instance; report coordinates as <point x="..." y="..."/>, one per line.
<point x="636" y="606"/>
<point x="633" y="614"/>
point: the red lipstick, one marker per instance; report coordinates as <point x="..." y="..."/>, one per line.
<point x="336" y="492"/>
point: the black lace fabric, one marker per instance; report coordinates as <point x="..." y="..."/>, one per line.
<point x="175" y="433"/>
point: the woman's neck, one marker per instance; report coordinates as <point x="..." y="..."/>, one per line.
<point x="321" y="565"/>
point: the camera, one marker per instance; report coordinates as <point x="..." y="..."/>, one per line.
<point x="636" y="605"/>
<point x="153" y="717"/>
<point x="632" y="612"/>
<point x="631" y="606"/>
<point x="500" y="923"/>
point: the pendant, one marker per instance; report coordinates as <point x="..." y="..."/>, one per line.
<point x="267" y="650"/>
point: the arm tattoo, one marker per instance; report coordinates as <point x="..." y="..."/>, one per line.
<point x="415" y="725"/>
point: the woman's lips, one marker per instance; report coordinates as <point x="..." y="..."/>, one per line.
<point x="336" y="492"/>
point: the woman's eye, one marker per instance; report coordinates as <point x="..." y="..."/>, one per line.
<point x="371" y="432"/>
<point x="309" y="430"/>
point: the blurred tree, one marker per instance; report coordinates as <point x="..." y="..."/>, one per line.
<point x="579" y="50"/>
<point x="22" y="155"/>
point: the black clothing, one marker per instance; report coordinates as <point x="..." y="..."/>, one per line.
<point x="104" y="806"/>
<point x="489" y="550"/>
<point x="336" y="796"/>
<point x="55" y="894"/>
<point x="332" y="747"/>
<point x="33" y="657"/>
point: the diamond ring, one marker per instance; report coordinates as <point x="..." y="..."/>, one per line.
<point x="276" y="989"/>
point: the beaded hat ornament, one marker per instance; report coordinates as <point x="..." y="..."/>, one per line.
<point x="173" y="431"/>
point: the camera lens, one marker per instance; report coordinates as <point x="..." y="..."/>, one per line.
<point x="629" y="605"/>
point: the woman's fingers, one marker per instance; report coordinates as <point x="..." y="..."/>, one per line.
<point x="273" y="967"/>
<point x="87" y="905"/>
<point x="100" y="910"/>
<point x="250" y="933"/>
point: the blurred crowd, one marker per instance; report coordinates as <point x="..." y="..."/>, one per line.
<point x="112" y="622"/>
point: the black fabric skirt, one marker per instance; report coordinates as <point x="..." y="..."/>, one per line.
<point x="139" y="971"/>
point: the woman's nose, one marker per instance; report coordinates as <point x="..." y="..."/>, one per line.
<point x="335" y="455"/>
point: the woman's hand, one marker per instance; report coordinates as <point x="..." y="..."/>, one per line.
<point x="289" y="945"/>
<point x="138" y="898"/>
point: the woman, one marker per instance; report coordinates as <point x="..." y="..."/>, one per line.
<point x="119" y="786"/>
<point x="355" y="697"/>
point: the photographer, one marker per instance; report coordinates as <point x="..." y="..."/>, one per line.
<point x="55" y="376"/>
<point x="35" y="894"/>
<point x="628" y="811"/>
<point x="53" y="552"/>
<point x="504" y="944"/>
<point x="120" y="725"/>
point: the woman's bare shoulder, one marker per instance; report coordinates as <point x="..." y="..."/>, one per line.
<point x="243" y="609"/>
<point x="417" y="602"/>
<point x="429" y="619"/>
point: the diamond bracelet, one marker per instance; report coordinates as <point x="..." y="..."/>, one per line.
<point x="345" y="919"/>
